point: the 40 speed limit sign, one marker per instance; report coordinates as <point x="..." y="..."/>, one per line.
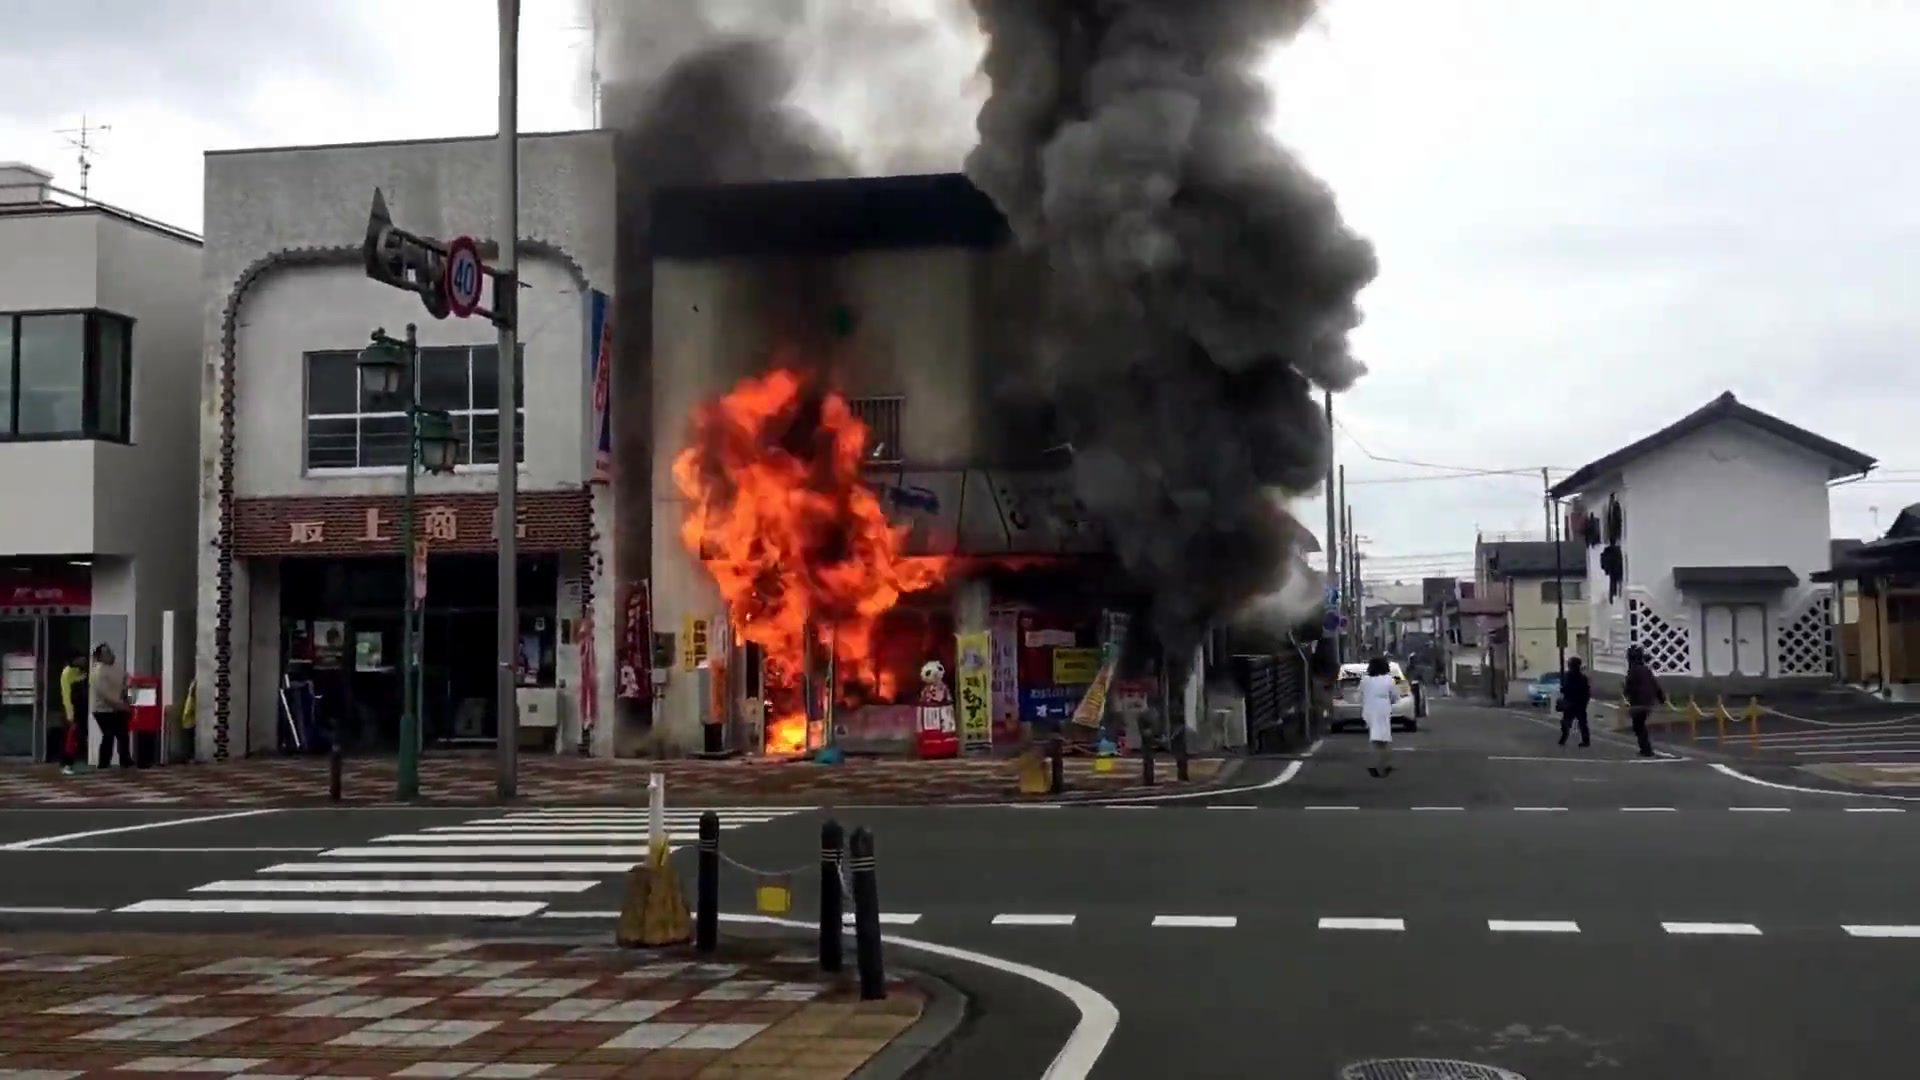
<point x="464" y="279"/>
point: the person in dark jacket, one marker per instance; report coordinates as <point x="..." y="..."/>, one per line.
<point x="1643" y="693"/>
<point x="1575" y="694"/>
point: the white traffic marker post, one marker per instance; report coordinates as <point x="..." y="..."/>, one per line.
<point x="656" y="816"/>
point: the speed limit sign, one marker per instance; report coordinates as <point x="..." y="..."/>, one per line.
<point x="464" y="277"/>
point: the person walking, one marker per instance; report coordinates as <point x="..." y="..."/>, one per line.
<point x="107" y="698"/>
<point x="73" y="706"/>
<point x="1576" y="693"/>
<point x="1643" y="693"/>
<point x="1377" y="696"/>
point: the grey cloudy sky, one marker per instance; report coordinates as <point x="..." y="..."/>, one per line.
<point x="1591" y="218"/>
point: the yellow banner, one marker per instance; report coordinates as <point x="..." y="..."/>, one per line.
<point x="1075" y="667"/>
<point x="974" y="688"/>
<point x="1093" y="706"/>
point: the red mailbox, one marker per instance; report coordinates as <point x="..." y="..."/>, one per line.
<point x="143" y="693"/>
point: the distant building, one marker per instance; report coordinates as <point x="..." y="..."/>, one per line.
<point x="1701" y="542"/>
<point x="1529" y="577"/>
<point x="99" y="389"/>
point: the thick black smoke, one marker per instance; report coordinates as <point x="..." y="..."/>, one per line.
<point x="1203" y="281"/>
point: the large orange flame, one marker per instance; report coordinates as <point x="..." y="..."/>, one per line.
<point x="798" y="544"/>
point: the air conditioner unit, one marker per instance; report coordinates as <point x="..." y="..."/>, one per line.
<point x="539" y="706"/>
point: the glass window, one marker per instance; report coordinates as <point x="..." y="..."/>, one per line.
<point x="113" y="345"/>
<point x="6" y="375"/>
<point x="50" y="374"/>
<point x="346" y="432"/>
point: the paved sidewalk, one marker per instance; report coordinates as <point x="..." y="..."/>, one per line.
<point x="265" y="1007"/>
<point x="468" y="779"/>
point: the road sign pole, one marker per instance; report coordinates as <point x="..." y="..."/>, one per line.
<point x="407" y="768"/>
<point x="506" y="306"/>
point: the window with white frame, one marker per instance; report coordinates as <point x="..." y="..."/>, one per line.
<point x="345" y="430"/>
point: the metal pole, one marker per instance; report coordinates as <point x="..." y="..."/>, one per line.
<point x="407" y="771"/>
<point x="1333" y="544"/>
<point x="1559" y="578"/>
<point x="506" y="778"/>
<point x="1345" y="634"/>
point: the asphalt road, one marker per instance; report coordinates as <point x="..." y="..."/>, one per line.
<point x="1498" y="899"/>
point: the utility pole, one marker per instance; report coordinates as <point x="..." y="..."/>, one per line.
<point x="1334" y="546"/>
<point x="507" y="763"/>
<point x="81" y="139"/>
<point x="1346" y="571"/>
<point x="1554" y="530"/>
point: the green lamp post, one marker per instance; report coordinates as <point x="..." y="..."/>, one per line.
<point x="390" y="372"/>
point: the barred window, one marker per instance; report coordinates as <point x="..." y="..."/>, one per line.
<point x="882" y="417"/>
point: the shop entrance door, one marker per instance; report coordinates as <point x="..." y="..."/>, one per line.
<point x="22" y="723"/>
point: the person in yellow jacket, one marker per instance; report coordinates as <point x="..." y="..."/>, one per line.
<point x="73" y="702"/>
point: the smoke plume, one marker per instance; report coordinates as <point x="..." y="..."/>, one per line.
<point x="1203" y="282"/>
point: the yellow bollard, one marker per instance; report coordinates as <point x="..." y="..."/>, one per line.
<point x="1033" y="772"/>
<point x="1721" y="716"/>
<point x="1753" y="720"/>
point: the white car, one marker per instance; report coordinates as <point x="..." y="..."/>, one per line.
<point x="1346" y="700"/>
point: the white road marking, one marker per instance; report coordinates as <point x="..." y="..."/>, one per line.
<point x="1330" y="808"/>
<point x="1285" y="775"/>
<point x="1217" y="922"/>
<point x="1876" y="809"/>
<point x="887" y="918"/>
<point x="1761" y="809"/>
<point x="1533" y="926"/>
<point x="494" y="851"/>
<point x="608" y="915"/>
<point x="497" y="837"/>
<point x="91" y="850"/>
<point x="1033" y="920"/>
<point x="1868" y="750"/>
<point x="1649" y="810"/>
<point x="447" y="886"/>
<point x="1883" y="931"/>
<point x="1315" y="748"/>
<point x="1098" y="1016"/>
<point x="472" y="909"/>
<point x="1363" y="924"/>
<point x="1128" y="806"/>
<point x="531" y="867"/>
<point x="41" y="841"/>
<point x="1728" y="770"/>
<point x="1230" y="806"/>
<point x="1737" y="929"/>
<point x="1035" y="806"/>
<point x="50" y="910"/>
<point x="1540" y="809"/>
<point x="1436" y="809"/>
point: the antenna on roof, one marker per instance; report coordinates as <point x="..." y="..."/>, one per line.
<point x="81" y="139"/>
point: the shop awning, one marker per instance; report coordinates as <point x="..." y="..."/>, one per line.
<point x="1735" y="577"/>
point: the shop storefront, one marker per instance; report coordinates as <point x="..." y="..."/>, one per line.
<point x="44" y="623"/>
<point x="330" y="581"/>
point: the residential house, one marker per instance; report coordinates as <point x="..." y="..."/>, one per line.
<point x="1701" y="541"/>
<point x="99" y="355"/>
<point x="1879" y="618"/>
<point x="1543" y="583"/>
<point x="1473" y="619"/>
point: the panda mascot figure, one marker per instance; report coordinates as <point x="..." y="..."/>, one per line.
<point x="938" y="733"/>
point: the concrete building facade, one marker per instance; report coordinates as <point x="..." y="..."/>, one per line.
<point x="299" y="505"/>
<point x="99" y="339"/>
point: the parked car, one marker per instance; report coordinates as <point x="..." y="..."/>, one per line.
<point x="1543" y="691"/>
<point x="1346" y="701"/>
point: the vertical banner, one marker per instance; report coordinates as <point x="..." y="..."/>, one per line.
<point x="636" y="634"/>
<point x="975" y="684"/>
<point x="599" y="339"/>
<point x="589" y="696"/>
<point x="1006" y="672"/>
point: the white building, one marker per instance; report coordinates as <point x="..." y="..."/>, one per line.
<point x="300" y="500"/>
<point x="1701" y="540"/>
<point x="99" y="339"/>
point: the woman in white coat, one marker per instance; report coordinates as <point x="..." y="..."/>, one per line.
<point x="1377" y="696"/>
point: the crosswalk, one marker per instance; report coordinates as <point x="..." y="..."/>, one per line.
<point x="505" y="867"/>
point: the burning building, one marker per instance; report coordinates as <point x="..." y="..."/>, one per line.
<point x="841" y="495"/>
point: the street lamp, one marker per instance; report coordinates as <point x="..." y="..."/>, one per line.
<point x="390" y="372"/>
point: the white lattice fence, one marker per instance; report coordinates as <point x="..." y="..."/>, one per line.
<point x="1803" y="641"/>
<point x="1668" y="643"/>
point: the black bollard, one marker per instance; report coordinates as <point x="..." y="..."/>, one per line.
<point x="334" y="765"/>
<point x="1146" y="756"/>
<point x="706" y="920"/>
<point x="1057" y="761"/>
<point x="866" y="916"/>
<point x="832" y="849"/>
<point x="1180" y="753"/>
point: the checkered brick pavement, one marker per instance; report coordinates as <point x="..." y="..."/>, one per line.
<point x="263" y="1008"/>
<point x="457" y="779"/>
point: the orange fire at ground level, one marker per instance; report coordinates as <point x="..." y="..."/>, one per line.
<point x="801" y="549"/>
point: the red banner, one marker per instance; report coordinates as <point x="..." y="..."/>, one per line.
<point x="636" y="643"/>
<point x="47" y="594"/>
